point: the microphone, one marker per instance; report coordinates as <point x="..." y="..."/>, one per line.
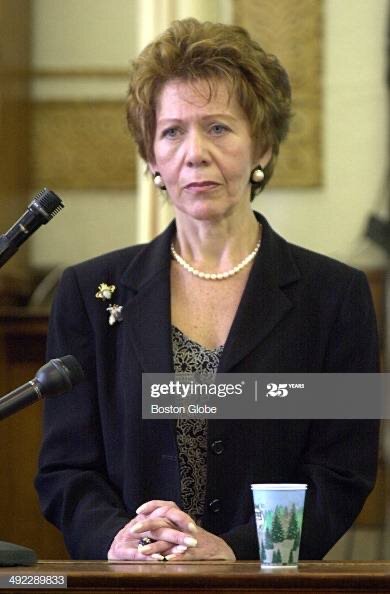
<point x="40" y="211"/>
<point x="56" y="377"/>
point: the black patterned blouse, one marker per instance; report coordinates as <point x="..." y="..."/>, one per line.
<point x="191" y="434"/>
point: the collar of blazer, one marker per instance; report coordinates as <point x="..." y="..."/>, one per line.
<point x="262" y="306"/>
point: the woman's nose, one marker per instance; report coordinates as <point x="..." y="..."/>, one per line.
<point x="196" y="149"/>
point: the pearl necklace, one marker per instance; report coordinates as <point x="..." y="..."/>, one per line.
<point x="215" y="275"/>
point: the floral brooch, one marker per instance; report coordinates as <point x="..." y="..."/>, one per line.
<point x="105" y="292"/>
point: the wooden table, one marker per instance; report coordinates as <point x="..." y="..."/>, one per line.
<point x="215" y="577"/>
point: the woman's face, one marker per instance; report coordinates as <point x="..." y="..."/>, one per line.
<point x="203" y="149"/>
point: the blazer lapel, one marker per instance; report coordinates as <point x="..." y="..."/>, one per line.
<point x="148" y="322"/>
<point x="149" y="309"/>
<point x="264" y="303"/>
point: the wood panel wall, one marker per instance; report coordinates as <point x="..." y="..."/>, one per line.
<point x="22" y="341"/>
<point x="14" y="120"/>
<point x="22" y="352"/>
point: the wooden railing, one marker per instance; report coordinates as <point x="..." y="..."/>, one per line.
<point x="209" y="577"/>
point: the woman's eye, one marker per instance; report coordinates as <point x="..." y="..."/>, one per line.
<point x="170" y="133"/>
<point x="219" y="129"/>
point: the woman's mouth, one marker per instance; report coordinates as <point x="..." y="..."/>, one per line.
<point x="201" y="186"/>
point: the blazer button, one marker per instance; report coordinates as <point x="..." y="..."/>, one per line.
<point x="215" y="506"/>
<point x="217" y="447"/>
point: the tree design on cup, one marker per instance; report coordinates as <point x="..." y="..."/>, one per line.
<point x="279" y="514"/>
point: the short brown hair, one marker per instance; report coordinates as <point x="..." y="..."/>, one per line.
<point x="190" y="50"/>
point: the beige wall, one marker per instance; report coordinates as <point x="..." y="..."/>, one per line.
<point x="82" y="35"/>
<point x="329" y="219"/>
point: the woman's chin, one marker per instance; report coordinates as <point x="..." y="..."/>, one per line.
<point x="206" y="210"/>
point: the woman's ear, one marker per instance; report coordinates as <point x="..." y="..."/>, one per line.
<point x="265" y="158"/>
<point x="151" y="167"/>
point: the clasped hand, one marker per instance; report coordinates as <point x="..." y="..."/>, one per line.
<point x="174" y="533"/>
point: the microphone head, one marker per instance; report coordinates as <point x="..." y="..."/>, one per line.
<point x="47" y="203"/>
<point x="59" y="376"/>
<point x="71" y="368"/>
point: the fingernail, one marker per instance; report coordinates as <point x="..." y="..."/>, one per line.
<point x="140" y="509"/>
<point x="170" y="557"/>
<point x="179" y="549"/>
<point x="192" y="527"/>
<point x="190" y="542"/>
<point x="136" y="527"/>
<point x="144" y="549"/>
<point x="157" y="557"/>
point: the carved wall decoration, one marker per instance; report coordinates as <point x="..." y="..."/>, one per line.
<point x="292" y="31"/>
<point x="81" y="145"/>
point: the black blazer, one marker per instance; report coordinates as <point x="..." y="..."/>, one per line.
<point x="99" y="461"/>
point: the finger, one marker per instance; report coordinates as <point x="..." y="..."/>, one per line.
<point x="124" y="548"/>
<point x="184" y="556"/>
<point x="191" y="554"/>
<point x="178" y="556"/>
<point x="179" y="549"/>
<point x="170" y="510"/>
<point x="158" y="512"/>
<point x="137" y="518"/>
<point x="183" y="521"/>
<point x="150" y="506"/>
<point x="175" y="537"/>
<point x="122" y="552"/>
<point x="158" y="530"/>
<point x="160" y="547"/>
<point x="146" y="526"/>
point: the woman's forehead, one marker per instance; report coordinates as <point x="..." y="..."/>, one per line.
<point x="203" y="94"/>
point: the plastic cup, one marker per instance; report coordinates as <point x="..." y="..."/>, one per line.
<point x="279" y="513"/>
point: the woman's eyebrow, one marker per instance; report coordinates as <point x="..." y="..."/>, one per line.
<point x="208" y="116"/>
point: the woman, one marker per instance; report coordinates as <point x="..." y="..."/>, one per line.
<point x="219" y="289"/>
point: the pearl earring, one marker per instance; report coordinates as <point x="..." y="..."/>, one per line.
<point x="158" y="182"/>
<point x="257" y="175"/>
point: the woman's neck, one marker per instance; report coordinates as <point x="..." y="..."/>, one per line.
<point x="216" y="245"/>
